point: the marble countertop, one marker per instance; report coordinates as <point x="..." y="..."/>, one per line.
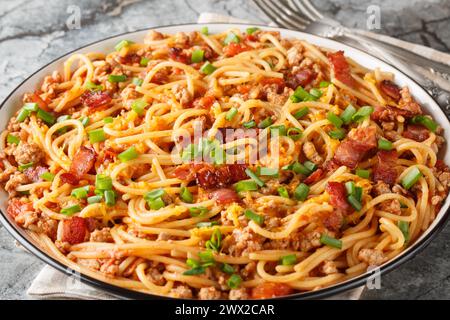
<point x="32" y="33"/>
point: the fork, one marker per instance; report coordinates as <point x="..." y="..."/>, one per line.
<point x="301" y="14"/>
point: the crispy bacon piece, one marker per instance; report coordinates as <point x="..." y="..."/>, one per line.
<point x="177" y="54"/>
<point x="132" y="58"/>
<point x="210" y="177"/>
<point x="82" y="163"/>
<point x="341" y="68"/>
<point x="338" y="196"/>
<point x="95" y="99"/>
<point x="408" y="103"/>
<point x="390" y="89"/>
<point x="333" y="220"/>
<point x="355" y="147"/>
<point x="224" y="196"/>
<point x="16" y="207"/>
<point x="389" y="113"/>
<point x="416" y="132"/>
<point x="315" y="176"/>
<point x="34" y="173"/>
<point x="74" y="230"/>
<point x="385" y="168"/>
<point x="184" y="172"/>
<point x="204" y="102"/>
<point x="269" y="290"/>
<point x="303" y="77"/>
<point x="235" y="48"/>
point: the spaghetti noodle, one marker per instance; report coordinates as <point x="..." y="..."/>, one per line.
<point x="234" y="165"/>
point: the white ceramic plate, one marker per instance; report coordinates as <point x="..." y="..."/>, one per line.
<point x="14" y="102"/>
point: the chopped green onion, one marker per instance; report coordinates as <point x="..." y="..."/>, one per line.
<point x="337" y="134"/>
<point x="138" y="106"/>
<point x="12" y="139"/>
<point x="47" y="117"/>
<point x="128" y="154"/>
<point x="426" y="122"/>
<point x="154" y="194"/>
<point x="110" y="198"/>
<point x="193" y="263"/>
<point x="234" y="281"/>
<point x="31" y="106"/>
<point x="316" y="92"/>
<point x="108" y="120"/>
<point x="282" y="191"/>
<point x="97" y="135"/>
<point x="137" y="81"/>
<point x="23" y="114"/>
<point x="384" y="144"/>
<point x="48" y="176"/>
<point x="301" y="94"/>
<point x="215" y="241"/>
<point x="365" y="174"/>
<point x="246" y="186"/>
<point x="265" y="171"/>
<point x="252" y="30"/>
<point x="300" y="168"/>
<point x="207" y="224"/>
<point x="103" y="182"/>
<point x="156" y="204"/>
<point x="80" y="193"/>
<point x="206" y="258"/>
<point x="23" y="167"/>
<point x="355" y="203"/>
<point x="411" y="178"/>
<point x="334" y="119"/>
<point x="117" y="78"/>
<point x="94" y="199"/>
<point x="208" y="68"/>
<point x="404" y="228"/>
<point x="265" y="123"/>
<point x="301" y="113"/>
<point x="288" y="260"/>
<point x="324" y="84"/>
<point x="330" y="241"/>
<point x="348" y="114"/>
<point x="197" y="56"/>
<point x="311" y="166"/>
<point x="122" y="44"/>
<point x="144" y="61"/>
<point x="227" y="268"/>
<point x="92" y="86"/>
<point x="85" y="121"/>
<point x="231" y="114"/>
<point x="249" y="124"/>
<point x="255" y="178"/>
<point x="231" y="37"/>
<point x="204" y="30"/>
<point x="259" y="219"/>
<point x="362" y="113"/>
<point x="194" y="271"/>
<point x="198" y="211"/>
<point x="278" y="130"/>
<point x="301" y="192"/>
<point x="294" y="133"/>
<point x="186" y="195"/>
<point x="350" y="187"/>
<point x="68" y="211"/>
<point x="358" y="193"/>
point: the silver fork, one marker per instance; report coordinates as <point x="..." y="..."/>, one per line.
<point x="302" y="15"/>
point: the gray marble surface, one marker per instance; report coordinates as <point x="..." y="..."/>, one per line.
<point x="32" y="33"/>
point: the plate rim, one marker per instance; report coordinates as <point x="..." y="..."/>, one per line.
<point x="122" y="292"/>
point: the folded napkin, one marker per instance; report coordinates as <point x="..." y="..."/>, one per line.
<point x="53" y="284"/>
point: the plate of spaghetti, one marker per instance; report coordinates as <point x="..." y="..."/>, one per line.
<point x="222" y="162"/>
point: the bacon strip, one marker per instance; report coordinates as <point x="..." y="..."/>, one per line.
<point x="267" y="290"/>
<point x="235" y="48"/>
<point x="224" y="196"/>
<point x="338" y="196"/>
<point x="341" y="68"/>
<point x="303" y="77"/>
<point x="74" y="230"/>
<point x="416" y="132"/>
<point x="355" y="147"/>
<point x="95" y="99"/>
<point x="82" y="163"/>
<point x="385" y="168"/>
<point x="315" y="176"/>
<point x="390" y="89"/>
<point x="16" y="207"/>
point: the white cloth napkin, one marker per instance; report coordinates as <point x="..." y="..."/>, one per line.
<point x="53" y="284"/>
